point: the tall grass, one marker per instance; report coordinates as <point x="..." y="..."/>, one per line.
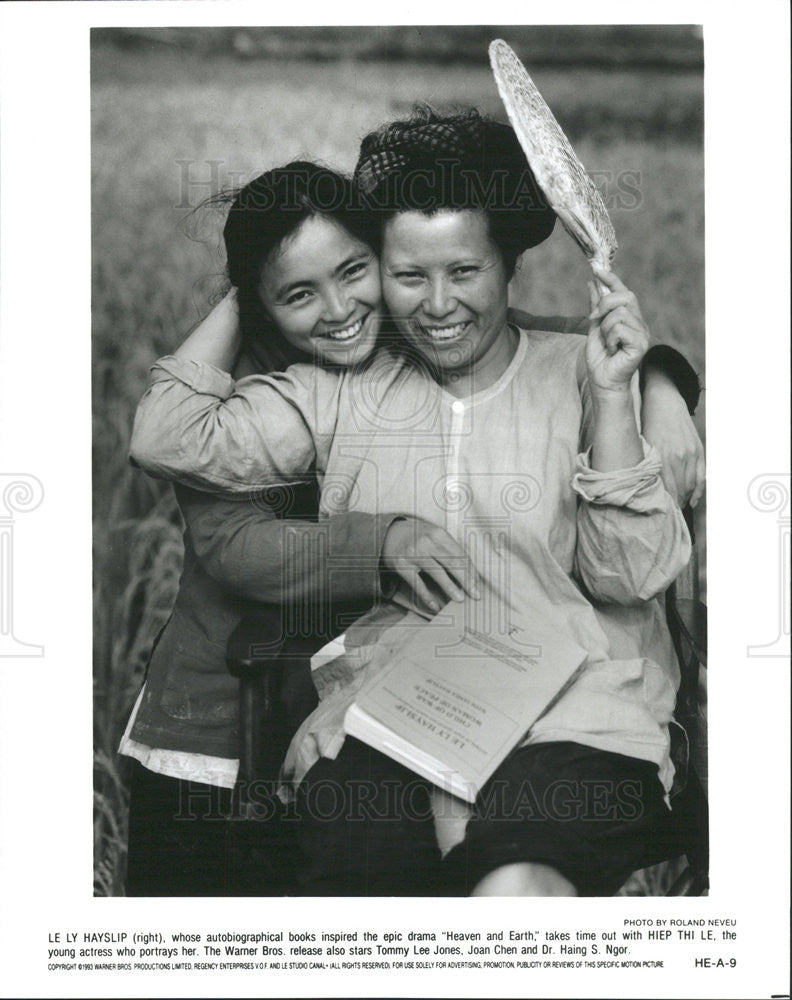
<point x="662" y="46"/>
<point x="168" y="128"/>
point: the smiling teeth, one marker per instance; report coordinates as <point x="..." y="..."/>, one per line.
<point x="348" y="332"/>
<point x="444" y="332"/>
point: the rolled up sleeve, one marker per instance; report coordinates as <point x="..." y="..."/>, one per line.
<point x="198" y="427"/>
<point x="632" y="538"/>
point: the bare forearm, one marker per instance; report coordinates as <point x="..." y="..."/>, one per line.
<point x="216" y="340"/>
<point x="615" y="443"/>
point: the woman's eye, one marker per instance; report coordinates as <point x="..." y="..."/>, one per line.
<point x="408" y="277"/>
<point x="356" y="270"/>
<point x="465" y="271"/>
<point x="297" y="298"/>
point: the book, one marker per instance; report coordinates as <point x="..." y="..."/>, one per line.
<point x="461" y="692"/>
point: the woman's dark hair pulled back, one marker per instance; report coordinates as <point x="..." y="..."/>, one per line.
<point x="430" y="162"/>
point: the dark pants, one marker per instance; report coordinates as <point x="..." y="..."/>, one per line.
<point x="178" y="836"/>
<point x="361" y="826"/>
<point x="183" y="843"/>
<point x="365" y="827"/>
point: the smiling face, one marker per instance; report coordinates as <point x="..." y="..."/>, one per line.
<point x="444" y="282"/>
<point x="321" y="289"/>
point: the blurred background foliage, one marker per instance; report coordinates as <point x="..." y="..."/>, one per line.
<point x="662" y="46"/>
<point x="179" y="113"/>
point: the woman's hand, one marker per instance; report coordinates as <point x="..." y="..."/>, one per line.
<point x="432" y="563"/>
<point x="666" y="424"/>
<point x="617" y="339"/>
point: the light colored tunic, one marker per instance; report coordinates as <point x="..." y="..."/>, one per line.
<point x="504" y="471"/>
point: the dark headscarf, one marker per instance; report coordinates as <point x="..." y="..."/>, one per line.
<point x="428" y="163"/>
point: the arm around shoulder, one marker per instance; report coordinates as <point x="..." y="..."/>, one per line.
<point x="250" y="551"/>
<point x="196" y="426"/>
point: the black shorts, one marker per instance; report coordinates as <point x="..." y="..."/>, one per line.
<point x="594" y="816"/>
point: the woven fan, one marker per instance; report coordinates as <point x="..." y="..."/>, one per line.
<point x="559" y="173"/>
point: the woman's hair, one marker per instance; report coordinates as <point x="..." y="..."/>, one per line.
<point x="263" y="214"/>
<point x="430" y="162"/>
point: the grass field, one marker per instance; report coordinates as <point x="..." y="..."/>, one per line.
<point x="170" y="127"/>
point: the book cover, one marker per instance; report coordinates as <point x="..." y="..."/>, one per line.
<point x="461" y="693"/>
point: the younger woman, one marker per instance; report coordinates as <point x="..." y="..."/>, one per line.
<point x="305" y="286"/>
